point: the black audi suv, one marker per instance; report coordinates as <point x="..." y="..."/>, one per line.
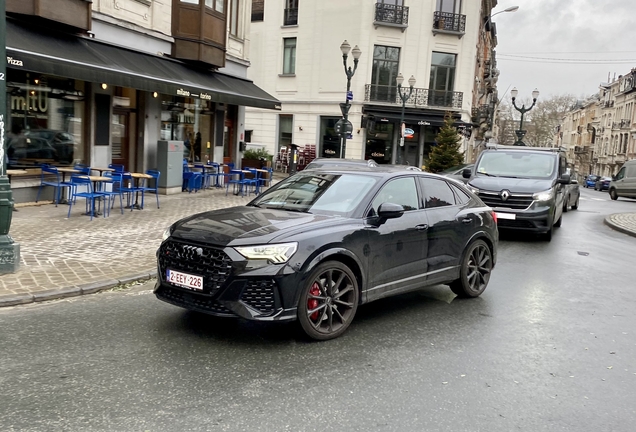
<point x="318" y="244"/>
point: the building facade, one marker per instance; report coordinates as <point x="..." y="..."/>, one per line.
<point x="600" y="133"/>
<point x="296" y="56"/>
<point x="102" y="82"/>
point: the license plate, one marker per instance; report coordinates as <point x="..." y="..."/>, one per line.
<point x="510" y="216"/>
<point x="184" y="280"/>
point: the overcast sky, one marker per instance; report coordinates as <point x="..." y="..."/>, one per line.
<point x="597" y="33"/>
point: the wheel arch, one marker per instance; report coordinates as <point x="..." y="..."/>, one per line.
<point x="343" y="256"/>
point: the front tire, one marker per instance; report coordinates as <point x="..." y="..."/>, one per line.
<point x="475" y="271"/>
<point x="566" y="202"/>
<point x="329" y="301"/>
<point x="576" y="204"/>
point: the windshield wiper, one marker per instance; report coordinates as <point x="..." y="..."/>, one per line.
<point x="486" y="174"/>
<point x="509" y="176"/>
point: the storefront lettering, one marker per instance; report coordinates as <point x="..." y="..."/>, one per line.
<point x="181" y="92"/>
<point x="32" y="102"/>
<point x="206" y="96"/>
<point x="377" y="154"/>
<point x="423" y="123"/>
<point x="330" y="152"/>
<point x="14" y="62"/>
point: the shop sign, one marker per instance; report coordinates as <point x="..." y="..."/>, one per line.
<point x="377" y="154"/>
<point x="14" y="62"/>
<point x="182" y="92"/>
<point x="330" y="152"/>
<point x="206" y="96"/>
<point x="423" y="123"/>
<point x="408" y="133"/>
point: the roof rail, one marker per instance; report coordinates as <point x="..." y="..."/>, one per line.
<point x="524" y="147"/>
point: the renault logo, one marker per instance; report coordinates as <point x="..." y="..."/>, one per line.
<point x="505" y="194"/>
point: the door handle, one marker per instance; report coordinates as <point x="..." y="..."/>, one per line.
<point x="467" y="220"/>
<point x="422" y="227"/>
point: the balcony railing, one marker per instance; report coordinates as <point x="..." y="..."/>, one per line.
<point x="391" y="15"/>
<point x="291" y="17"/>
<point x="446" y="22"/>
<point x="421" y="97"/>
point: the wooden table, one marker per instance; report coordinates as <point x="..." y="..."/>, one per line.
<point x="64" y="171"/>
<point x="138" y="177"/>
<point x="102" y="170"/>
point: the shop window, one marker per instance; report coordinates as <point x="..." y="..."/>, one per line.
<point x="380" y="143"/>
<point x="330" y="140"/>
<point x="46" y="117"/>
<point x="285" y="125"/>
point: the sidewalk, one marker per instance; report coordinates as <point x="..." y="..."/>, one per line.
<point x="623" y="222"/>
<point x="63" y="257"/>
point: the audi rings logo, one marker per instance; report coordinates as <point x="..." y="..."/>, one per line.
<point x="505" y="194"/>
<point x="191" y="252"/>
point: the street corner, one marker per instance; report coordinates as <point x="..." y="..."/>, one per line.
<point x="622" y="222"/>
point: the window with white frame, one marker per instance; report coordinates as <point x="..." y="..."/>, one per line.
<point x="289" y="56"/>
<point x="234" y="18"/>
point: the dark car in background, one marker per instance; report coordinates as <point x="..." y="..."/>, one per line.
<point x="30" y="147"/>
<point x="323" y="162"/>
<point x="602" y="184"/>
<point x="572" y="196"/>
<point x="457" y="172"/>
<point x="63" y="142"/>
<point x="590" y="181"/>
<point x="318" y="244"/>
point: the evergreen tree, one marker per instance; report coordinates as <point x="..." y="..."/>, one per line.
<point x="446" y="153"/>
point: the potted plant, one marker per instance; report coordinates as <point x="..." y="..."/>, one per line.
<point x="255" y="158"/>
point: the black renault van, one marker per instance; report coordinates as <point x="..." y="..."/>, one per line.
<point x="524" y="185"/>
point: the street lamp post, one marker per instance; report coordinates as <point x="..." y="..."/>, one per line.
<point x="520" y="132"/>
<point x="404" y="97"/>
<point x="9" y="250"/>
<point x="346" y="127"/>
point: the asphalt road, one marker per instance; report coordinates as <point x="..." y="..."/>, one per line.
<point x="550" y="346"/>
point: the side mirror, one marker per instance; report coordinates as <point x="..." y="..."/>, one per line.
<point x="390" y="211"/>
<point x="565" y="179"/>
<point x="467" y="173"/>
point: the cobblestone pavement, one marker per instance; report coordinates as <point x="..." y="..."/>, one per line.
<point x="623" y="222"/>
<point x="63" y="257"/>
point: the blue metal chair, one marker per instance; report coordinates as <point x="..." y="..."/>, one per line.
<point x="206" y="173"/>
<point x="115" y="190"/>
<point x="117" y="167"/>
<point x="51" y="177"/>
<point x="252" y="182"/>
<point x="192" y="181"/>
<point x="87" y="192"/>
<point x="237" y="180"/>
<point x="217" y="174"/>
<point x="131" y="188"/>
<point x="82" y="168"/>
<point x="266" y="180"/>
<point x="155" y="186"/>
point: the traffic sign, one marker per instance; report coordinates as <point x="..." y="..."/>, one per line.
<point x="408" y="133"/>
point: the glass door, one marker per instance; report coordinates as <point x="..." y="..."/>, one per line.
<point x="120" y="136"/>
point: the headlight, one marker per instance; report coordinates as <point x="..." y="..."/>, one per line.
<point x="276" y="253"/>
<point x="543" y="196"/>
<point x="473" y="189"/>
<point x="166" y="233"/>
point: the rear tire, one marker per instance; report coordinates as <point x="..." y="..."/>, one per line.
<point x="566" y="201"/>
<point x="475" y="271"/>
<point x="576" y="204"/>
<point x="613" y="194"/>
<point x="558" y="223"/>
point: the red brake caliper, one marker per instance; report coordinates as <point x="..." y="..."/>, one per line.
<point x="313" y="303"/>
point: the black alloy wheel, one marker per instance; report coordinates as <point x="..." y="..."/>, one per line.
<point x="329" y="301"/>
<point x="475" y="271"/>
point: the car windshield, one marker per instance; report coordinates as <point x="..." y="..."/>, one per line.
<point x="517" y="164"/>
<point x="332" y="194"/>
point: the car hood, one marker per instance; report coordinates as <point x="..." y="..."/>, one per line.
<point x="514" y="185"/>
<point x="247" y="225"/>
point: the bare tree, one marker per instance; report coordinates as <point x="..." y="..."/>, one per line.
<point x="540" y="122"/>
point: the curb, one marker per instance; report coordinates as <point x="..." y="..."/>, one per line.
<point x="74" y="291"/>
<point x="608" y="221"/>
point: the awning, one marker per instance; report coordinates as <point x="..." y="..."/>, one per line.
<point x="85" y="59"/>
<point x="424" y="117"/>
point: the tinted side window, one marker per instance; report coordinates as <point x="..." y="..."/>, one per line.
<point x="436" y="193"/>
<point x="460" y="196"/>
<point x="399" y="191"/>
<point x="631" y="171"/>
<point x="620" y="174"/>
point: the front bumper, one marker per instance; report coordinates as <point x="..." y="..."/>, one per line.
<point x="232" y="285"/>
<point x="537" y="220"/>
